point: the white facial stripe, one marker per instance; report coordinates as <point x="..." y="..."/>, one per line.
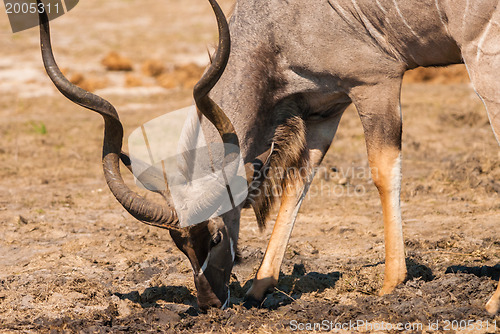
<point x="226" y="304"/>
<point x="231" y="246"/>
<point x="205" y="264"/>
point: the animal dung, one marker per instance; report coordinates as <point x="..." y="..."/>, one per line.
<point x="115" y="62"/>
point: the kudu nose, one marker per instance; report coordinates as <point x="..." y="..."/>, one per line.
<point x="206" y="297"/>
<point x="213" y="303"/>
<point x="206" y="302"/>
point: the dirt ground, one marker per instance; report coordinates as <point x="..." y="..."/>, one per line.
<point x="71" y="259"/>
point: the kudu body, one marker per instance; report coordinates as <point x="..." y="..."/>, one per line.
<point x="292" y="71"/>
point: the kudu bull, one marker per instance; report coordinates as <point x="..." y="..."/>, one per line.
<point x="292" y="70"/>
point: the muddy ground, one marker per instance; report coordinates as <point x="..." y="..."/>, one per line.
<point x="71" y="259"/>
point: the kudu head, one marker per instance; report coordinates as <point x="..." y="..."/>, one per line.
<point x="209" y="245"/>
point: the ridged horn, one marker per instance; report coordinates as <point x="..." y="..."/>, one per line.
<point x="151" y="213"/>
<point x="201" y="90"/>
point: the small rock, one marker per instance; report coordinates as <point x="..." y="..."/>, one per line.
<point x="122" y="306"/>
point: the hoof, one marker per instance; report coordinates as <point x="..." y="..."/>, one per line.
<point x="493" y="306"/>
<point x="251" y="302"/>
<point x="389" y="288"/>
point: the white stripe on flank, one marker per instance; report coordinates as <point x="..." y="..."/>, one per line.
<point x="464" y="18"/>
<point x="375" y="34"/>
<point x="483" y="39"/>
<point x="342" y="12"/>
<point x="441" y="16"/>
<point x="404" y="20"/>
<point x="380" y="6"/>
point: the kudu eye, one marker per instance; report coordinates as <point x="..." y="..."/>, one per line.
<point x="216" y="239"/>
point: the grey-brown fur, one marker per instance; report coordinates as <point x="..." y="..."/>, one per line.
<point x="330" y="53"/>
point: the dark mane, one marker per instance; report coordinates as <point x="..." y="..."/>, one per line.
<point x="286" y="161"/>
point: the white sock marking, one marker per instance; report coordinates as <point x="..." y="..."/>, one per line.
<point x="396" y="187"/>
<point x="205" y="264"/>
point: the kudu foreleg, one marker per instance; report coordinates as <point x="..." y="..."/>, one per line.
<point x="379" y="109"/>
<point x="385" y="163"/>
<point x="268" y="273"/>
<point x="319" y="138"/>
